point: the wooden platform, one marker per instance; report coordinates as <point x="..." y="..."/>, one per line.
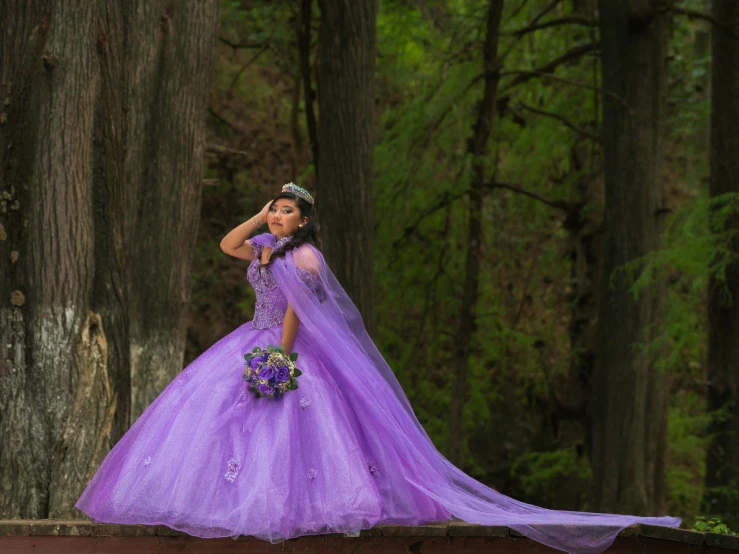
<point x="80" y="537"/>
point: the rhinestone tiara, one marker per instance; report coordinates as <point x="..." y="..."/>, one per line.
<point x="298" y="191"/>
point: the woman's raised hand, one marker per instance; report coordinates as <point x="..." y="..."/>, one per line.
<point x="262" y="217"/>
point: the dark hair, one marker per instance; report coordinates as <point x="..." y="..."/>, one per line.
<point x="308" y="233"/>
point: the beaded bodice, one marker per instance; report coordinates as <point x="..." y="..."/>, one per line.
<point x="271" y="303"/>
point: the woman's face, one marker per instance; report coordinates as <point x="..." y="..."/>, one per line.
<point x="284" y="217"/>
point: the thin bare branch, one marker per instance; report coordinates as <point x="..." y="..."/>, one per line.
<point x="218" y="149"/>
<point x="693" y="14"/>
<point x="571" y="54"/>
<point x="423" y="142"/>
<point x="517" y="10"/>
<point x="531" y="74"/>
<point x="245" y="66"/>
<point x="570" y="19"/>
<point x="239" y="45"/>
<point x="446" y="199"/>
<point x="223" y="120"/>
<point x="561" y="118"/>
<point x="558" y="204"/>
<point x="532" y="23"/>
<point x="545" y="11"/>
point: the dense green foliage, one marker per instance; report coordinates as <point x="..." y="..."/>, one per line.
<point x="712" y="525"/>
<point x="546" y="157"/>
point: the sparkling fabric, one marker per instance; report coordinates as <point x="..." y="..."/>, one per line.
<point x="271" y="304"/>
<point x="342" y="453"/>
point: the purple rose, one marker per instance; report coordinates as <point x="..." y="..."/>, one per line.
<point x="267" y="372"/>
<point x="256" y="360"/>
<point x="266" y="390"/>
<point x="283" y="374"/>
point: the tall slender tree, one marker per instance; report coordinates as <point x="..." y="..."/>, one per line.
<point x="170" y="49"/>
<point x="722" y="467"/>
<point x="478" y="148"/>
<point x="345" y="198"/>
<point x="70" y="219"/>
<point x="629" y="395"/>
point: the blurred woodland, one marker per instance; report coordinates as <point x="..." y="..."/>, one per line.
<point x="532" y="202"/>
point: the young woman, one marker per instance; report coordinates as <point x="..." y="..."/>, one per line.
<point x="343" y="452"/>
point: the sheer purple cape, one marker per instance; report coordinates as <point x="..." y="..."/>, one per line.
<point x="335" y="327"/>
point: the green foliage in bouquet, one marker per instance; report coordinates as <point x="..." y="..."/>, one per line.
<point x="270" y="372"/>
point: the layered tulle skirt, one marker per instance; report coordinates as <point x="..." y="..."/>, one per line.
<point x="209" y="459"/>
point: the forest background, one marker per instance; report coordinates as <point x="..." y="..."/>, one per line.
<point x="545" y="190"/>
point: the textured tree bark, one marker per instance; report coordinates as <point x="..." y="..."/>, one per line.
<point x="722" y="468"/>
<point x="478" y="149"/>
<point x="54" y="348"/>
<point x="345" y="134"/>
<point x="170" y="47"/>
<point x="629" y="395"/>
<point x="110" y="290"/>
<point x="65" y="232"/>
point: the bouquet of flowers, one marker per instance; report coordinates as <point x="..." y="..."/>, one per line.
<point x="270" y="372"/>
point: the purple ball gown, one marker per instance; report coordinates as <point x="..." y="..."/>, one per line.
<point x="343" y="452"/>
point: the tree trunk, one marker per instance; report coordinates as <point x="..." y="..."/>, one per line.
<point x="345" y="134"/>
<point x="478" y="148"/>
<point x="64" y="326"/>
<point x="309" y="95"/>
<point x="55" y="365"/>
<point x="170" y="52"/>
<point x="569" y="415"/>
<point x="629" y="395"/>
<point x="722" y="468"/>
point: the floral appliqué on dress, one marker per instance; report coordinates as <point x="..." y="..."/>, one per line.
<point x="271" y="303"/>
<point x="373" y="469"/>
<point x="304" y="402"/>
<point x="234" y="464"/>
<point x="312" y="474"/>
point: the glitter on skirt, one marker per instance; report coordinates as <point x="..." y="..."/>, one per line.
<point x="207" y="459"/>
<point x="342" y="453"/>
